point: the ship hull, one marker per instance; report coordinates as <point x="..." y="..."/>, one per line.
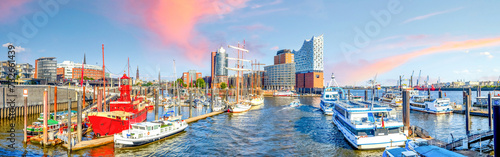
<point x="104" y="126"/>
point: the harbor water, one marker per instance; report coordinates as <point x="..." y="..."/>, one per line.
<point x="272" y="129"/>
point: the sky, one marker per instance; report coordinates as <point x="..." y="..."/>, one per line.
<point x="445" y="40"/>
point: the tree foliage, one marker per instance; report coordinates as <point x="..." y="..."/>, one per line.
<point x="200" y="83"/>
<point x="223" y="85"/>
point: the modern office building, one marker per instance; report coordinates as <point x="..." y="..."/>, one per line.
<point x="25" y="70"/>
<point x="309" y="65"/>
<point x="281" y="75"/>
<point x="72" y="70"/>
<point x="190" y="76"/>
<point x="219" y="64"/>
<point x="45" y="68"/>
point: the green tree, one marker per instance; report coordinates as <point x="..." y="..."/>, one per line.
<point x="18" y="77"/>
<point x="200" y="83"/>
<point x="223" y="85"/>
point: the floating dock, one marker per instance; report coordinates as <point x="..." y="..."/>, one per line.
<point x="90" y="143"/>
<point x="194" y="119"/>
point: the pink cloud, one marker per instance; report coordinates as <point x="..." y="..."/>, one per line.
<point x="174" y="22"/>
<point x="431" y="14"/>
<point x="363" y="69"/>
<point x="275" y="48"/>
<point x="12" y="9"/>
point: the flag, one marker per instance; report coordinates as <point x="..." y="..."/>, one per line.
<point x="383" y="126"/>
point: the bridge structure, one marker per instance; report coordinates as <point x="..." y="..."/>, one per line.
<point x="473" y="138"/>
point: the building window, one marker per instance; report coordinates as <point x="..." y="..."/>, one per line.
<point x="317" y="76"/>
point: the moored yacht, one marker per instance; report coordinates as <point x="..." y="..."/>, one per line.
<point x="429" y="105"/>
<point x="147" y="132"/>
<point x="364" y="127"/>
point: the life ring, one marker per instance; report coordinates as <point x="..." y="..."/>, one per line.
<point x="148" y="133"/>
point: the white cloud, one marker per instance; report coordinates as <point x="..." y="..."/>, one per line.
<point x="487" y="54"/>
<point x="275" y="48"/>
<point x="17" y="49"/>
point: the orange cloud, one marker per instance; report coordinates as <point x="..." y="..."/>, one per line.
<point x="173" y="22"/>
<point x="364" y="70"/>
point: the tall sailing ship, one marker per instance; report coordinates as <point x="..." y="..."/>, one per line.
<point x="121" y="112"/>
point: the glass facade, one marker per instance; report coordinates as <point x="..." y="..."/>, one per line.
<point x="220" y="63"/>
<point x="47" y="68"/>
<point x="280" y="77"/>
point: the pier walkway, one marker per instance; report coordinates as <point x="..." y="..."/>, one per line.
<point x="470" y="139"/>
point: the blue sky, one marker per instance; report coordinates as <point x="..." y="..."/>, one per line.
<point x="153" y="33"/>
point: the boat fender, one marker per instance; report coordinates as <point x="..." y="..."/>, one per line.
<point x="148" y="133"/>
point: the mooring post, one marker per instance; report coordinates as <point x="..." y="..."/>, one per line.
<point x="429" y="92"/>
<point x="212" y="100"/>
<point x="440" y="94"/>
<point x="156" y="103"/>
<point x="45" y="117"/>
<point x="69" y="125"/>
<point x="467" y="114"/>
<point x="366" y="95"/>
<point x="99" y="101"/>
<point x="478" y="91"/>
<point x="496" y="129"/>
<point x="83" y="99"/>
<point x="79" y="117"/>
<point x="406" y="111"/>
<point x="25" y="117"/>
<point x="191" y="102"/>
<point x="349" y="94"/>
<point x="93" y="98"/>
<point x="490" y="112"/>
<point x="55" y="101"/>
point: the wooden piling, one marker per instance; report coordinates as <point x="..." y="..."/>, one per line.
<point x="440" y="95"/>
<point x="99" y="101"/>
<point x="69" y="124"/>
<point x="156" y="103"/>
<point x="55" y="101"/>
<point x="25" y="119"/>
<point x="93" y="98"/>
<point x="83" y="100"/>
<point x="45" y="116"/>
<point x="79" y="116"/>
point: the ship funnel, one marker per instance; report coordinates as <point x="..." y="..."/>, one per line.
<point x="333" y="77"/>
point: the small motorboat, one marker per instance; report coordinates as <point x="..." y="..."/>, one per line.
<point x="295" y="103"/>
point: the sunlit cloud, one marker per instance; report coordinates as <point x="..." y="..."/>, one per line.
<point x="363" y="69"/>
<point x="431" y="14"/>
<point x="275" y="48"/>
<point x="174" y="23"/>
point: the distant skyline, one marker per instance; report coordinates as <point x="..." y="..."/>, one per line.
<point x="450" y="40"/>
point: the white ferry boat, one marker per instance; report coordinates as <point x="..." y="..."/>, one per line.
<point x="330" y="95"/>
<point x="147" y="132"/>
<point x="426" y="104"/>
<point x="365" y="127"/>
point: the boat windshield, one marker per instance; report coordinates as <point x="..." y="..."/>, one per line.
<point x="331" y="97"/>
